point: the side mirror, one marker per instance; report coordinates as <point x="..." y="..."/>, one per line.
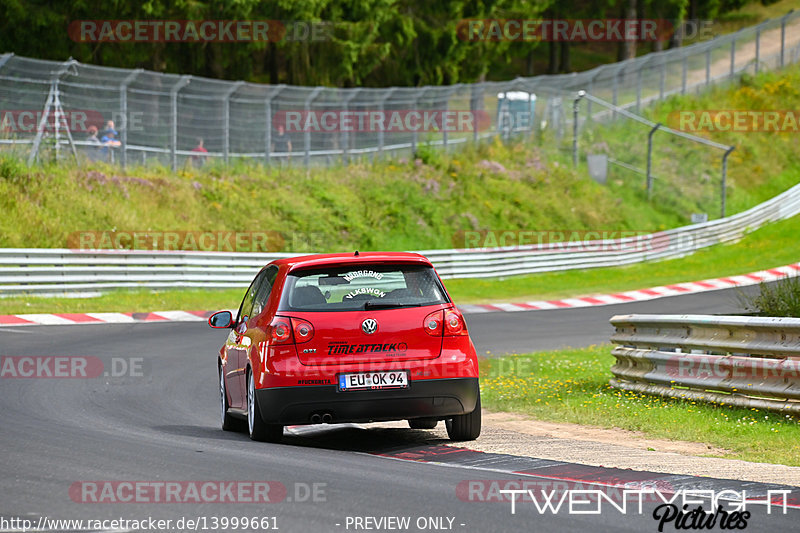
<point x="221" y="319"/>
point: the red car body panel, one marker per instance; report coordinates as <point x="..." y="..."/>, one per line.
<point x="282" y="371"/>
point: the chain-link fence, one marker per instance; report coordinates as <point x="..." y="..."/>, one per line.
<point x="51" y="108"/>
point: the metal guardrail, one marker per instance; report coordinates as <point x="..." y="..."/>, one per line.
<point x="751" y="362"/>
<point x="39" y="270"/>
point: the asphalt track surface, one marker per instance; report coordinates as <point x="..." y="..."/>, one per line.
<point x="161" y="424"/>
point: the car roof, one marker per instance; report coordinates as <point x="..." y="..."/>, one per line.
<point x="348" y="259"/>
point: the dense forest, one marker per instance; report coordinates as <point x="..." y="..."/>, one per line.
<point x="371" y="43"/>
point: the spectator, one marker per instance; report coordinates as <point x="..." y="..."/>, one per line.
<point x="93" y="151"/>
<point x="109" y="139"/>
<point x="199" y="159"/>
<point x="282" y="143"/>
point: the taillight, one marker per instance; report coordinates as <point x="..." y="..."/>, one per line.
<point x="303" y="330"/>
<point x="280" y="330"/>
<point x="433" y="324"/>
<point x="454" y="323"/>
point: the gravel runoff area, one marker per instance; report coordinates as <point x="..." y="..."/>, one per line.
<point x="514" y="434"/>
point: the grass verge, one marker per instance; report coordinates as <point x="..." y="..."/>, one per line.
<point x="572" y="386"/>
<point x="768" y="247"/>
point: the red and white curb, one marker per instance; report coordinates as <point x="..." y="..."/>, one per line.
<point x="70" y="319"/>
<point x="754" y="278"/>
<point x="744" y="280"/>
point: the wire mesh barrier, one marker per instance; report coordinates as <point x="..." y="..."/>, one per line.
<point x="751" y="362"/>
<point x="50" y="109"/>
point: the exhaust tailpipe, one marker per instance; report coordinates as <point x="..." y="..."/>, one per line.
<point x="316" y="419"/>
<point x="327" y="418"/>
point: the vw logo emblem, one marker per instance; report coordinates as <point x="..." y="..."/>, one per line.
<point x="369" y="326"/>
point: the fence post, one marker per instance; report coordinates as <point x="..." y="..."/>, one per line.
<point x="783" y="36"/>
<point x="639" y="87"/>
<point x="725" y="179"/>
<point x="123" y="104"/>
<point x="733" y="55"/>
<point x="708" y="67"/>
<point x="685" y="69"/>
<point x="445" y="106"/>
<point x="575" y="105"/>
<point x="173" y="93"/>
<point x="650" y="159"/>
<point x="344" y="132"/>
<point x="476" y="105"/>
<point x="307" y="134"/>
<point x="226" y="120"/>
<point x="531" y="110"/>
<point x="382" y="108"/>
<point x="758" y="47"/>
<point x="663" y="78"/>
<point x="268" y="133"/>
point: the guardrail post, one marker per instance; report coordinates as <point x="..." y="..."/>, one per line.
<point x="307" y="134"/>
<point x="226" y="120"/>
<point x="708" y="67"/>
<point x="724" y="179"/>
<point x="650" y="159"/>
<point x="575" y="104"/>
<point x="123" y="104"/>
<point x="173" y="93"/>
<point x="662" y="78"/>
<point x="733" y="55"/>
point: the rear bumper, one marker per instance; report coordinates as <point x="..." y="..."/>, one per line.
<point x="440" y="398"/>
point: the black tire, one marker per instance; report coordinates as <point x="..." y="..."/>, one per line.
<point x="422" y="423"/>
<point x="465" y="427"/>
<point x="228" y="422"/>
<point x="256" y="428"/>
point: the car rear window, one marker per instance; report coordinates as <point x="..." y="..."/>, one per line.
<point x="362" y="287"/>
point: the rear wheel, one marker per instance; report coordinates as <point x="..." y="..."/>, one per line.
<point x="256" y="427"/>
<point x="228" y="422"/>
<point x="422" y="423"/>
<point x="465" y="427"/>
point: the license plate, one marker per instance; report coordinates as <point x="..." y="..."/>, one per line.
<point x="397" y="379"/>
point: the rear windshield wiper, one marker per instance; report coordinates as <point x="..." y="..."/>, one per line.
<point x="372" y="304"/>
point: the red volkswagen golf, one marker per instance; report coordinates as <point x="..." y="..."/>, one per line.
<point x="348" y="338"/>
